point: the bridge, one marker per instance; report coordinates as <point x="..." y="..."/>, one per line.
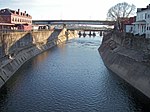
<point x="87" y="28"/>
<point x="86" y="22"/>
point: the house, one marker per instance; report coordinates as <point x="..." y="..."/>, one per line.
<point x="9" y="18"/>
<point x="24" y="27"/>
<point x="142" y="24"/>
<point x="127" y="24"/>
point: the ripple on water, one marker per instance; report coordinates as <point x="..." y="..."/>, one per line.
<point x="69" y="78"/>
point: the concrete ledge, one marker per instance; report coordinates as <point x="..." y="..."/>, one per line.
<point x="127" y="63"/>
<point x="12" y="65"/>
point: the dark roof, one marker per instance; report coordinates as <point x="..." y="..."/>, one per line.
<point x="142" y="9"/>
<point x="5" y="11"/>
<point x="8" y="11"/>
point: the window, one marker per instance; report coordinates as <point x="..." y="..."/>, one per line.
<point x="145" y="15"/>
<point x="12" y="19"/>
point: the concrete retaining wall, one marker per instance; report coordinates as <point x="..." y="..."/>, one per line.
<point x="128" y="62"/>
<point x="24" y="46"/>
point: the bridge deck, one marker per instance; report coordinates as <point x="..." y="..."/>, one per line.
<point x="88" y="22"/>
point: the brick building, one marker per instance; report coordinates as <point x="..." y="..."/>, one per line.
<point x="127" y="24"/>
<point x="11" y="19"/>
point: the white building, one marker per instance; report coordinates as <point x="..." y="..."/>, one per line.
<point x="142" y="24"/>
<point x="129" y="28"/>
<point x="148" y="23"/>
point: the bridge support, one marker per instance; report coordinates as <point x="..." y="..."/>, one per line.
<point x="90" y="34"/>
<point x="94" y="34"/>
<point x="101" y="33"/>
<point x="84" y="34"/>
<point x="80" y="34"/>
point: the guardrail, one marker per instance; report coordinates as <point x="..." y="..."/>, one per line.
<point x="9" y="31"/>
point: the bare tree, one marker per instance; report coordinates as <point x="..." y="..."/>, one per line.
<point x="120" y="11"/>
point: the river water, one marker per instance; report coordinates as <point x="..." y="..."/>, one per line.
<point x="70" y="78"/>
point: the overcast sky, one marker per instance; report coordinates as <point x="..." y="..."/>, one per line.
<point x="68" y="9"/>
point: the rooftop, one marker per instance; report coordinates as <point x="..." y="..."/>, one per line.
<point x="10" y="11"/>
<point x="142" y="9"/>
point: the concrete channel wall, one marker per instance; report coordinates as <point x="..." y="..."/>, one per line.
<point x="18" y="47"/>
<point x="129" y="58"/>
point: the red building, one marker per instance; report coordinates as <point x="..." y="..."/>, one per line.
<point x="129" y="20"/>
<point x="126" y="24"/>
<point x="11" y="19"/>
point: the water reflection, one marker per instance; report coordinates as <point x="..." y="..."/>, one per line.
<point x="70" y="78"/>
<point x="42" y="57"/>
<point x="135" y="100"/>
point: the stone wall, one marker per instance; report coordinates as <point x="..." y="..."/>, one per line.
<point x="128" y="60"/>
<point x="130" y="41"/>
<point x="24" y="46"/>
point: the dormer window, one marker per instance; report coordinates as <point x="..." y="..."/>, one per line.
<point x="3" y="11"/>
<point x="12" y="19"/>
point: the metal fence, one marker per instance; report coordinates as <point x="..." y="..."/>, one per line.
<point x="8" y="31"/>
<point x="33" y="30"/>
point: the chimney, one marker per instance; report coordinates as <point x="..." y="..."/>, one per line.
<point x="25" y="13"/>
<point x="138" y="9"/>
<point x="148" y="6"/>
<point x="18" y="11"/>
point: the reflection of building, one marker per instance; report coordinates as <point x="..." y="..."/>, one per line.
<point x="11" y="19"/>
<point x="142" y="24"/>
